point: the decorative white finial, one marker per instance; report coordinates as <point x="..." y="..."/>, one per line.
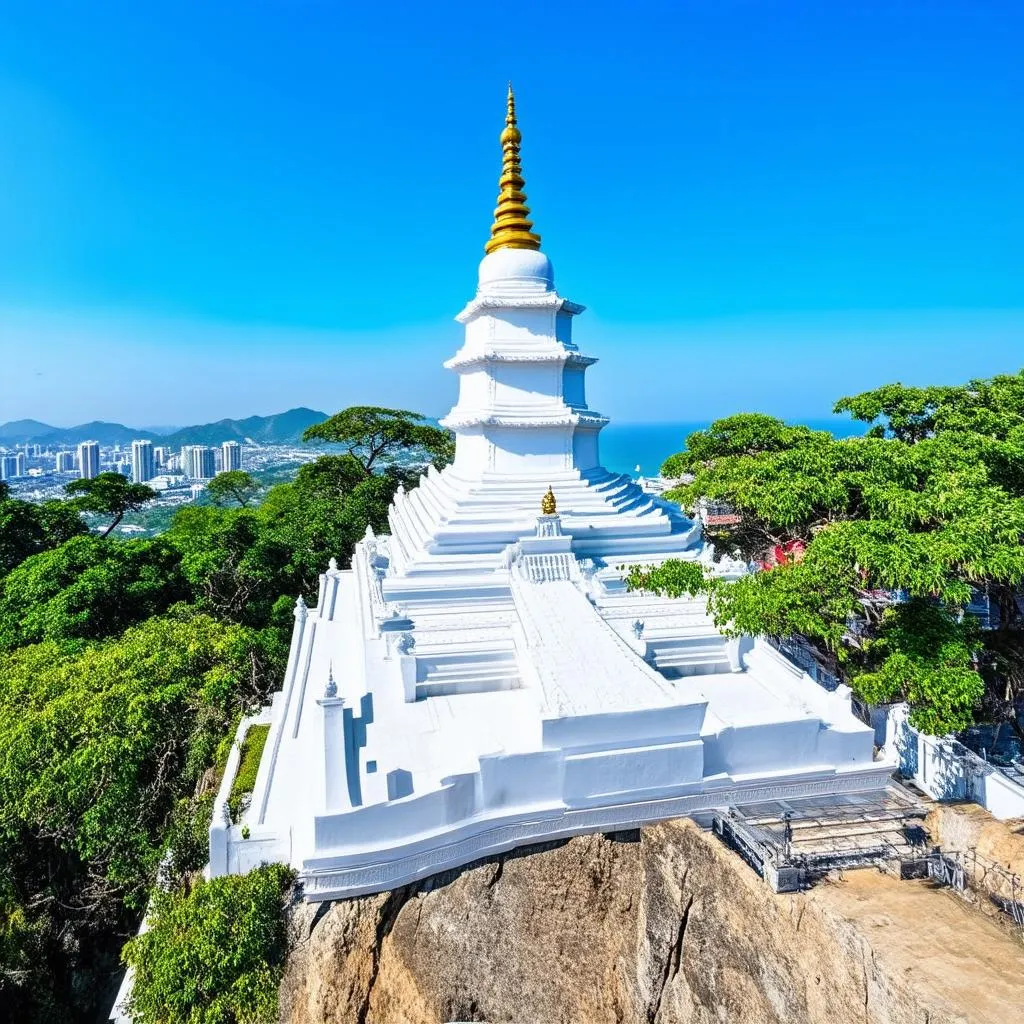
<point x="301" y="611"/>
<point x="332" y="565"/>
<point x="331" y="689"/>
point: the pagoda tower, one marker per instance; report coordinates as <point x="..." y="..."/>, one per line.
<point x="522" y="408"/>
<point x="522" y="425"/>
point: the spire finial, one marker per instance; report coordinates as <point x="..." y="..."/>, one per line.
<point x="548" y="507"/>
<point x="511" y="227"/>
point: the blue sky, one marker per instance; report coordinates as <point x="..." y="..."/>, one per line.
<point x="217" y="209"/>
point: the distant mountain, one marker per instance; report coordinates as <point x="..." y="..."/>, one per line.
<point x="23" y="430"/>
<point x="281" y="428"/>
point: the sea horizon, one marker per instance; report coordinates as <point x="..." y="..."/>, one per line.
<point x="625" y="446"/>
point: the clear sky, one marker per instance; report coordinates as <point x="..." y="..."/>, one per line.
<point x="218" y="209"/>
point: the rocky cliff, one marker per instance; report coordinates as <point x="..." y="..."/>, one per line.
<point x="662" y="925"/>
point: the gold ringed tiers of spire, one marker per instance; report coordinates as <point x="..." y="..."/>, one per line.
<point x="512" y="227"/>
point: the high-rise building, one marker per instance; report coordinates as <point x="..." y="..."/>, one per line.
<point x="66" y="462"/>
<point x="89" y="459"/>
<point x="142" y="461"/>
<point x="21" y="467"/>
<point x="8" y="467"/>
<point x="203" y="466"/>
<point x="231" y="456"/>
<point x="186" y="459"/>
<point x="160" y="456"/>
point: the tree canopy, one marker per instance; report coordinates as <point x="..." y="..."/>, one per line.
<point x="374" y="435"/>
<point x="87" y="589"/>
<point x="873" y="548"/>
<point x="109" y="494"/>
<point x="214" y="953"/>
<point x="124" y="665"/>
<point x="27" y="528"/>
<point x="233" y="487"/>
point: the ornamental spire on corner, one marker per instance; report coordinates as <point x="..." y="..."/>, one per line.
<point x="511" y="227"/>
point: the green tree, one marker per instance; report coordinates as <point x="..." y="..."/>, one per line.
<point x="87" y="589"/>
<point x="98" y="748"/>
<point x="870" y="541"/>
<point x="27" y="528"/>
<point x="110" y="494"/>
<point x="215" y="954"/>
<point x="324" y="513"/>
<point x="235" y="486"/>
<point x="236" y="567"/>
<point x="374" y="435"/>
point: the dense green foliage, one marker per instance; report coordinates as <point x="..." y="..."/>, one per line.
<point x="875" y="546"/>
<point x="124" y="667"/>
<point x="27" y="529"/>
<point x="214" y="954"/>
<point x="88" y="588"/>
<point x="248" y="766"/>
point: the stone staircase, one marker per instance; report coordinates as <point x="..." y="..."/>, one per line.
<point x="470" y="672"/>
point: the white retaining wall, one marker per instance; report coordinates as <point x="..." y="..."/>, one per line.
<point x="946" y="770"/>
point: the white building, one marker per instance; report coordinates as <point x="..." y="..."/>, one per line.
<point x="89" y="459"/>
<point x="161" y="455"/>
<point x="481" y="678"/>
<point x="143" y="461"/>
<point x="201" y="462"/>
<point x="231" y="456"/>
<point x="67" y="462"/>
<point x="8" y="467"/>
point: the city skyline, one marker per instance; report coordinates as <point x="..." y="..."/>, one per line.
<point x="778" y="204"/>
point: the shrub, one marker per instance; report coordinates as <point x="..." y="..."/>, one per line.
<point x="248" y="766"/>
<point x="213" y="955"/>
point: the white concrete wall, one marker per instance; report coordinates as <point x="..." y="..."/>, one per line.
<point x="946" y="770"/>
<point x="530" y="387"/>
<point x="574" y="391"/>
<point x="585" y="450"/>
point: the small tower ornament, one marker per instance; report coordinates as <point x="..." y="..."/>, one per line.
<point x="331" y="689"/>
<point x="548" y="506"/>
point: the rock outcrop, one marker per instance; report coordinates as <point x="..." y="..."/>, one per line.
<point x="661" y="925"/>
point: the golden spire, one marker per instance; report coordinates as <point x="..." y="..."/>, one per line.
<point x="511" y="227"/>
<point x="547" y="503"/>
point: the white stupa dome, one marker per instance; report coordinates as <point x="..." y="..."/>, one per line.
<point x="516" y="270"/>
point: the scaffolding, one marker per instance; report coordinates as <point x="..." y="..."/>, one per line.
<point x="791" y="844"/>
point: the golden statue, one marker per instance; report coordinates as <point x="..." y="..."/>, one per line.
<point x="547" y="503"/>
<point x="511" y="227"/>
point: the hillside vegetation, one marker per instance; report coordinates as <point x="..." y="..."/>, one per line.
<point x="877" y="548"/>
<point x="124" y="667"/>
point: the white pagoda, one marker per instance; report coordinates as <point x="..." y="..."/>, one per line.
<point x="481" y="678"/>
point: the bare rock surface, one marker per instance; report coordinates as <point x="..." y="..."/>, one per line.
<point x="658" y="926"/>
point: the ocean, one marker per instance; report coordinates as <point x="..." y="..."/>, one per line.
<point x="624" y="446"/>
